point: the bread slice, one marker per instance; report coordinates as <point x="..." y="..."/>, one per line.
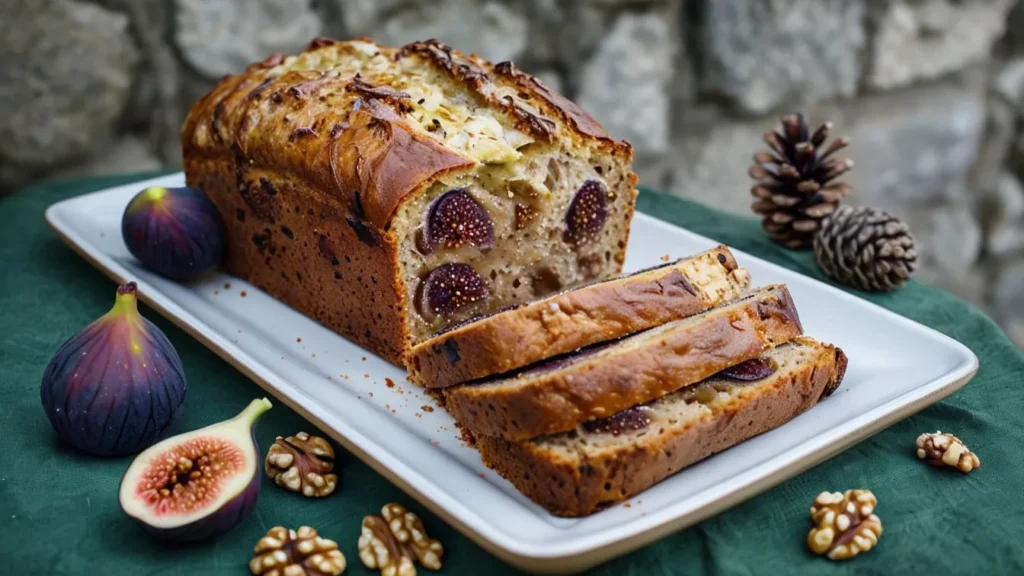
<point x="578" y="472"/>
<point x="561" y="393"/>
<point x="389" y="192"/>
<point x="564" y="322"/>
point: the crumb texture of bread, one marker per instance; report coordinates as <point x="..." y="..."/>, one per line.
<point x="565" y="392"/>
<point x="576" y="318"/>
<point x="391" y="192"/>
<point x="579" y="472"/>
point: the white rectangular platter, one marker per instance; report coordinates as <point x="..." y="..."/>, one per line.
<point x="897" y="367"/>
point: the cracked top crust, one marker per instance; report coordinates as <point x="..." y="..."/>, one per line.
<point x="356" y="116"/>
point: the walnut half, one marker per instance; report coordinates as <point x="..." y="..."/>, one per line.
<point x="940" y="449"/>
<point x="302" y="463"/>
<point x="390" y="542"/>
<point x="844" y="524"/>
<point x="301" y="552"/>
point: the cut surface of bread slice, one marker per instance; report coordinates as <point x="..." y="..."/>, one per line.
<point x="559" y="394"/>
<point x="601" y="463"/>
<point x="564" y="322"/>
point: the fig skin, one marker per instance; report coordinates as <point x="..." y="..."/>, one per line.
<point x="176" y="232"/>
<point x="232" y="501"/>
<point x="116" y="386"/>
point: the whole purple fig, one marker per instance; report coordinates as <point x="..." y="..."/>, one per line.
<point x="199" y="484"/>
<point x="116" y="386"/>
<point x="176" y="232"/>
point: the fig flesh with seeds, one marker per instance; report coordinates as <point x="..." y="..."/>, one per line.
<point x="450" y="287"/>
<point x="587" y="214"/>
<point x="455" y="219"/>
<point x="197" y="485"/>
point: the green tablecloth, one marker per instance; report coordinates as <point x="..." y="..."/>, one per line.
<point x="59" y="509"/>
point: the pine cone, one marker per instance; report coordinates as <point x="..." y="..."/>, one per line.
<point x="792" y="189"/>
<point x="866" y="248"/>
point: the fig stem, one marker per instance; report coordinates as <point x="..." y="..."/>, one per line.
<point x="155" y="193"/>
<point x="125" y="302"/>
<point x="254" y="410"/>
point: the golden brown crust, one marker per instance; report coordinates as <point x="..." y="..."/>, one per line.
<point x="567" y="321"/>
<point x="560" y="400"/>
<point x="577" y="486"/>
<point x="382" y="161"/>
<point x="306" y="250"/>
<point x="309" y="125"/>
<point x="530" y="101"/>
<point x="260" y="111"/>
<point x="568" y="110"/>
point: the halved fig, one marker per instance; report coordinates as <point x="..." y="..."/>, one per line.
<point x="454" y="219"/>
<point x="586" y="214"/>
<point x="450" y="287"/>
<point x="197" y="485"/>
<point x="629" y="420"/>
<point x="753" y="369"/>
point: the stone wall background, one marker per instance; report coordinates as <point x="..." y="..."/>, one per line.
<point x="930" y="91"/>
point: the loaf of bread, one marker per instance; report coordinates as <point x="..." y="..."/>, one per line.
<point x="604" y="462"/>
<point x="562" y="393"/>
<point x="389" y="193"/>
<point x="576" y="318"/>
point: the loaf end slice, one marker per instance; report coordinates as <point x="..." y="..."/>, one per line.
<point x="559" y="394"/>
<point x="573" y="319"/>
<point x="579" y="472"/>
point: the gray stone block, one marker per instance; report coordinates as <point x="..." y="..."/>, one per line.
<point x="949" y="238"/>
<point x="918" y="39"/>
<point x="1005" y="233"/>
<point x="219" y="37"/>
<point x="127" y="155"/>
<point x="910" y="148"/>
<point x="1008" y="297"/>
<point x="762" y="54"/>
<point x="913" y="146"/>
<point x="625" y="84"/>
<point x="66" y="78"/>
<point x="496" y="31"/>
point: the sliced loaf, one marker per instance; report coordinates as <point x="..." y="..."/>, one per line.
<point x="559" y="394"/>
<point x="564" y="322"/>
<point x="601" y="463"/>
